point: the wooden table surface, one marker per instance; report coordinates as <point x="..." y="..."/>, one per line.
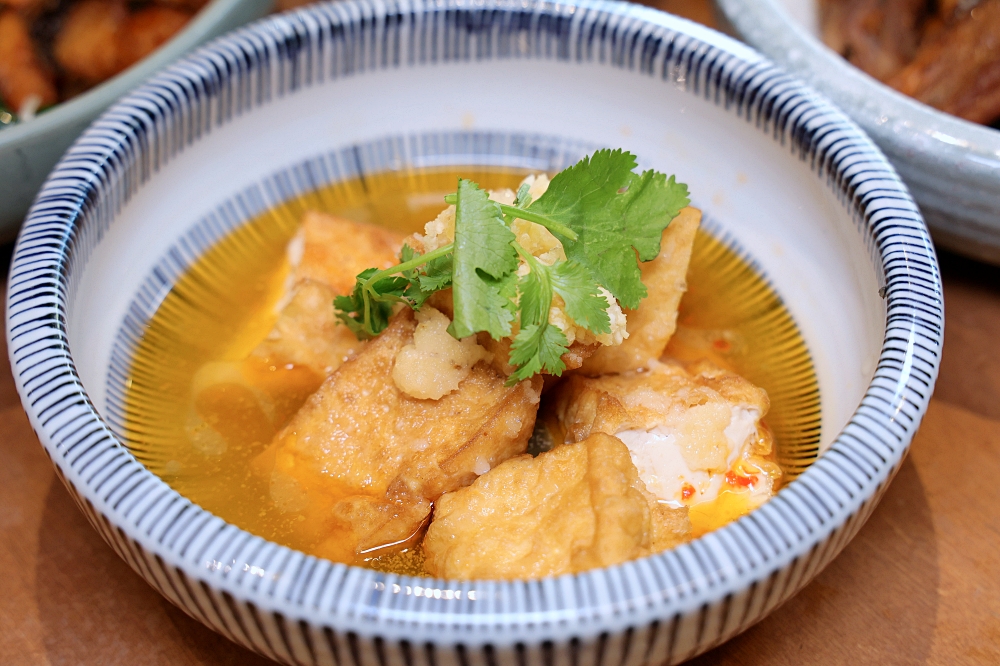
<point x="919" y="585"/>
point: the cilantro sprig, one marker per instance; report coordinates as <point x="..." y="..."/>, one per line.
<point x="607" y="217"/>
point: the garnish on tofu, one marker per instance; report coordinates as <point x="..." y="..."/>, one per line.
<point x="603" y="219"/>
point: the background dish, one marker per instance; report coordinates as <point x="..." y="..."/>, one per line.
<point x="28" y="151"/>
<point x="306" y="99"/>
<point x="951" y="166"/>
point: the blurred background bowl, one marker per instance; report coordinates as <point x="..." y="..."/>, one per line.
<point x="29" y="150"/>
<point x="951" y="166"/>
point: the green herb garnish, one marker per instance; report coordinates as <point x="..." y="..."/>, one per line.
<point x="607" y="218"/>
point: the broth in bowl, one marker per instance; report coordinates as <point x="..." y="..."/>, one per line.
<point x="418" y="453"/>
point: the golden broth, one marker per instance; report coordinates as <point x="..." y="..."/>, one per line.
<point x="224" y="305"/>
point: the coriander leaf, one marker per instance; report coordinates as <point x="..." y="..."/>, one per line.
<point x="344" y="306"/>
<point x="437" y="274"/>
<point x="536" y="348"/>
<point x="414" y="296"/>
<point x="407" y="254"/>
<point x="507" y="288"/>
<point x="424" y="280"/>
<point x="584" y="302"/>
<point x="535" y="289"/>
<point x="483" y="260"/>
<point x="615" y="213"/>
<point x="351" y="309"/>
<point x="523" y="197"/>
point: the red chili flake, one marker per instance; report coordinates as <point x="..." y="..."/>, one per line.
<point x="687" y="491"/>
<point x="734" y="479"/>
<point x="721" y="344"/>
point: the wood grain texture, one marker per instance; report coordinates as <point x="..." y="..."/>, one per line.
<point x="919" y="585"/>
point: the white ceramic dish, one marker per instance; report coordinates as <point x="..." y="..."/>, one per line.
<point x="337" y="90"/>
<point x="951" y="166"/>
<point x="28" y="151"/>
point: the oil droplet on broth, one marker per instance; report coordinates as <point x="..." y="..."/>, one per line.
<point x="224" y="305"/>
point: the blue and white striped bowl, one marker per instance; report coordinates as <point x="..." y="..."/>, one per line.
<point x="339" y="90"/>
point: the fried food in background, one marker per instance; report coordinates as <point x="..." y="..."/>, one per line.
<point x="574" y="508"/>
<point x="652" y="324"/>
<point x="362" y="461"/>
<point x="146" y="30"/>
<point x="100" y="38"/>
<point x="945" y="54"/>
<point x="51" y="51"/>
<point x="879" y="37"/>
<point x="700" y="11"/>
<point x="87" y="46"/>
<point x="958" y="70"/>
<point x="24" y="78"/>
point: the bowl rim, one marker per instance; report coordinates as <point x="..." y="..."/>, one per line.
<point x="157" y="531"/>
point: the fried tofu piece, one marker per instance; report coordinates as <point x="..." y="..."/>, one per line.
<point x="308" y="334"/>
<point x="255" y="397"/>
<point x="252" y="399"/>
<point x="333" y="250"/>
<point x="325" y="257"/>
<point x="691" y="430"/>
<point x="651" y="325"/>
<point x="576" y="507"/>
<point x="362" y="461"/>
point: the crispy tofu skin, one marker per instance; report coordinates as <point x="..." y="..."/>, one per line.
<point x="574" y="508"/>
<point x="693" y="431"/>
<point x="654" y="322"/>
<point x="254" y="398"/>
<point x="362" y="462"/>
<point x="325" y="257"/>
<point x="307" y="333"/>
<point x="649" y="397"/>
<point x="333" y="250"/>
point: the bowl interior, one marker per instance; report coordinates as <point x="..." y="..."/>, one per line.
<point x="756" y="190"/>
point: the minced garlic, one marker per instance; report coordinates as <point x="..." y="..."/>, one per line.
<point x="436" y="363"/>
<point x="438" y="232"/>
<point x="575" y="333"/>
